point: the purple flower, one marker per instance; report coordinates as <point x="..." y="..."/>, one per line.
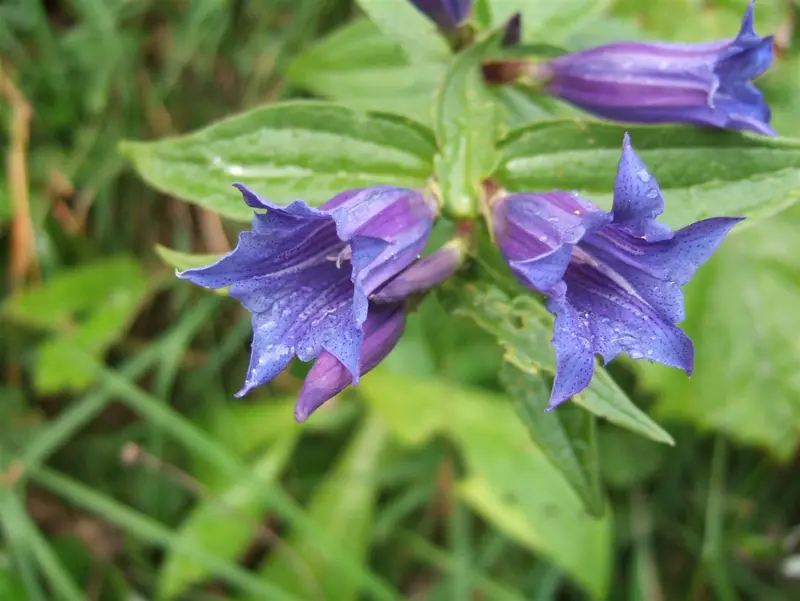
<point x="306" y="274"/>
<point x="383" y="326"/>
<point x="329" y="376"/>
<point x="426" y="273"/>
<point x="613" y="279"/>
<point x="447" y="14"/>
<point x="702" y="84"/>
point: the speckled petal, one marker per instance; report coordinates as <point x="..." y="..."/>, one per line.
<point x="305" y="273"/>
<point x="328" y="377"/>
<point x="536" y="232"/>
<point x="600" y="316"/>
<point x="673" y="260"/>
<point x="574" y="357"/>
<point x="301" y="315"/>
<point x="637" y="197"/>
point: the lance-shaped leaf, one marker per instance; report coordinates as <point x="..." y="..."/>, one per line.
<point x="702" y="173"/>
<point x="358" y="66"/>
<point x="401" y="22"/>
<point x="509" y="480"/>
<point x="297" y="150"/>
<point x="343" y="508"/>
<point x="524" y="328"/>
<point x="566" y="436"/>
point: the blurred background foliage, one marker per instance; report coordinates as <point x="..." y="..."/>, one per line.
<point x="129" y="472"/>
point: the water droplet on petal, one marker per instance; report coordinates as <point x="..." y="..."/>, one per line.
<point x="649" y="351"/>
<point x="652" y="193"/>
<point x="635" y="355"/>
<point x="644" y="176"/>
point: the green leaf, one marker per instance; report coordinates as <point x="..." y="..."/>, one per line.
<point x="627" y="460"/>
<point x="566" y="437"/>
<point x="88" y="307"/>
<point x="401" y="22"/>
<point x="306" y="150"/>
<point x="181" y="260"/>
<point x="545" y="20"/>
<point x="11" y="589"/>
<point x="358" y="66"/>
<point x="468" y="124"/>
<point x="225" y="524"/>
<point x="702" y="172"/>
<point x="742" y="316"/>
<point x="343" y="508"/>
<point x="510" y="481"/>
<point x="524" y="328"/>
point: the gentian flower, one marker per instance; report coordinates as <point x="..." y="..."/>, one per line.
<point x="382" y="329"/>
<point x="306" y="274"/>
<point x="613" y="279"/>
<point x="447" y="14"/>
<point x="329" y="376"/>
<point x="635" y="82"/>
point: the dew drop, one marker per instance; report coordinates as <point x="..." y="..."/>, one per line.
<point x="653" y="193"/>
<point x="644" y="176"/>
<point x="649" y="352"/>
<point x="635" y="355"/>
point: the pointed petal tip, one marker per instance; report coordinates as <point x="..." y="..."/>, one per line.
<point x="626" y="142"/>
<point x="748" y="20"/>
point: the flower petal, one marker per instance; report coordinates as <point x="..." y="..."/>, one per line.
<point x="637" y="197"/>
<point x="536" y="232"/>
<point x="328" y="377"/>
<point x="302" y="314"/>
<point x="422" y="275"/>
<point x="387" y="229"/>
<point x="636" y="82"/>
<point x="674" y="260"/>
<point x="621" y="321"/>
<point x="306" y="274"/>
<point x="447" y="14"/>
<point x="574" y="356"/>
